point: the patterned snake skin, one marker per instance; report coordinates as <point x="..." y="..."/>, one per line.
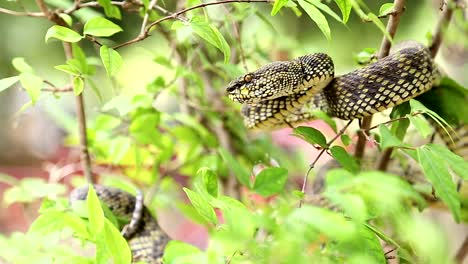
<point x="282" y="93"/>
<point x="146" y="239"/>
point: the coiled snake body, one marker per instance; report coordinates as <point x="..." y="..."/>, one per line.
<point x="146" y="239"/>
<point x="282" y="93"/>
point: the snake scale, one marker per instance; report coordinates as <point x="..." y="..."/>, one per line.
<point x="282" y="93"/>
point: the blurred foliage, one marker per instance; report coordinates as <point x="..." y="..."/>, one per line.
<point x="156" y="112"/>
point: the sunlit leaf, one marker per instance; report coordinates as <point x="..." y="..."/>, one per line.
<point x="345" y="8"/>
<point x="202" y="206"/>
<point x="437" y="173"/>
<point x="386" y="9"/>
<point x="6" y="83"/>
<point x="176" y="249"/>
<point x="421" y="125"/>
<point x="21" y="65"/>
<point x="111" y="60"/>
<point x="78" y="85"/>
<point x="109" y="9"/>
<point x="209" y="181"/>
<point x="95" y="213"/>
<point x="311" y="135"/>
<point x="32" y="84"/>
<point x="325" y="8"/>
<point x="115" y="244"/>
<point x="63" y="34"/>
<point x="388" y="140"/>
<point x="317" y="17"/>
<point x="277" y="6"/>
<point x="346" y="160"/>
<point x="270" y="181"/>
<point x="212" y="35"/>
<point x="101" y="27"/>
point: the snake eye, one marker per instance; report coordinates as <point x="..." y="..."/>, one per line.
<point x="248" y="78"/>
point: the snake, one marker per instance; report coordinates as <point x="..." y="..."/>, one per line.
<point x="146" y="239"/>
<point x="283" y="93"/>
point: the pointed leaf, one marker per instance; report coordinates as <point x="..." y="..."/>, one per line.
<point x="63" y="34"/>
<point x="346" y="160"/>
<point x="95" y="213"/>
<point x="202" y="206"/>
<point x="270" y="181"/>
<point x="388" y="140"/>
<point x="277" y="6"/>
<point x="317" y="17"/>
<point x="32" y="84"/>
<point x="111" y="60"/>
<point x="345" y="8"/>
<point x="78" y="85"/>
<point x="101" y="27"/>
<point x="311" y="135"/>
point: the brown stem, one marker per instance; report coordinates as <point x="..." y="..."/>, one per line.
<point x="442" y="24"/>
<point x="175" y="15"/>
<point x="384" y="50"/>
<point x="312" y="165"/>
<point x="16" y="13"/>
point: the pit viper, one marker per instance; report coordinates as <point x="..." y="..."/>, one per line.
<point x="282" y="93"/>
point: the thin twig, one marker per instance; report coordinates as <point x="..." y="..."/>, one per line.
<point x="175" y="15"/>
<point x="312" y="165"/>
<point x="146" y="17"/>
<point x="16" y="13"/>
<point x="385" y="45"/>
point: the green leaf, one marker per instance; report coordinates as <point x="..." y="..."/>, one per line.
<point x="388" y="140"/>
<point x="176" y="249"/>
<point x="32" y="84"/>
<point x="421" y="125"/>
<point x="325" y="8"/>
<point x="433" y="166"/>
<point x="118" y="148"/>
<point x="456" y="163"/>
<point x="317" y="17"/>
<point x="345" y="8"/>
<point x="68" y="69"/>
<point x="277" y="6"/>
<point x="345" y="139"/>
<point x="365" y="56"/>
<point x="30" y="189"/>
<point x="320" y="220"/>
<point x="242" y="175"/>
<point x="346" y="160"/>
<point x="111" y="60"/>
<point x="113" y="242"/>
<point x="270" y="181"/>
<point x="68" y="19"/>
<point x="95" y="213"/>
<point x="78" y="85"/>
<point x="21" y="65"/>
<point x="209" y="180"/>
<point x="212" y="35"/>
<point x="311" y="135"/>
<point x="386" y="9"/>
<point x="53" y="221"/>
<point x="202" y="206"/>
<point x="63" y="34"/>
<point x="109" y="9"/>
<point x="79" y="60"/>
<point x="101" y="27"/>
<point x="8" y="82"/>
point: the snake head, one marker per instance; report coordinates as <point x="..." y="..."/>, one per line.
<point x="281" y="78"/>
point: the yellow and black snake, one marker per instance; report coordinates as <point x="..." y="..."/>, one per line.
<point x="145" y="238"/>
<point x="282" y="93"/>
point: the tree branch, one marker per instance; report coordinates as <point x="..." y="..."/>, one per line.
<point x="16" y="13"/>
<point x="384" y="50"/>
<point x="144" y="34"/>
<point x="312" y="165"/>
